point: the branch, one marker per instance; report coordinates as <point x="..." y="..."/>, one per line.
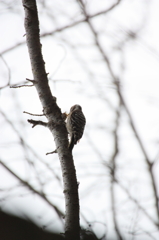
<point x="97" y="152"/>
<point x="32" y="81"/>
<point x="39" y="115"/>
<point x="56" y="123"/>
<point x="113" y="171"/>
<point x="137" y="203"/>
<point x="9" y="73"/>
<point x="24" y="85"/>
<point x="59" y="213"/>
<point x="35" y="123"/>
<point x="122" y="100"/>
<point x="26" y="146"/>
<point x="55" y="151"/>
<point x="82" y="20"/>
<point x="19" y="86"/>
<point x="64" y="27"/>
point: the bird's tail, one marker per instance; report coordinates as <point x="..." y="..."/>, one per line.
<point x="71" y="144"/>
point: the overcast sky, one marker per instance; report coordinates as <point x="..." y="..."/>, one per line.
<point x="79" y="75"/>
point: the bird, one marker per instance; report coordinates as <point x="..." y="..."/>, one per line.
<point x="75" y="125"/>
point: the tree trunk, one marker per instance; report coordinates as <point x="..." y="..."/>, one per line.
<point x="55" y="121"/>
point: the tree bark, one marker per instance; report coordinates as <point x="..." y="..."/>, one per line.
<point x="55" y="121"/>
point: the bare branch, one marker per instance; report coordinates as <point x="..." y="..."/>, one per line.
<point x="38" y="115"/>
<point x="113" y="171"/>
<point x="116" y="82"/>
<point x="30" y="187"/>
<point x="137" y="203"/>
<point x="54" y="115"/>
<point x="9" y="73"/>
<point x="35" y="123"/>
<point x="19" y="86"/>
<point x="24" y="85"/>
<point x="32" y="81"/>
<point x="12" y="47"/>
<point x="25" y="145"/>
<point x="64" y="27"/>
<point x="55" y="151"/>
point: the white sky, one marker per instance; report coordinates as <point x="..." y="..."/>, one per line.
<point x="137" y="66"/>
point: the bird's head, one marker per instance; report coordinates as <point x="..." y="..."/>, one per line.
<point x="76" y="107"/>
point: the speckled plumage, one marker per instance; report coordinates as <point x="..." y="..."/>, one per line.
<point x="75" y="125"/>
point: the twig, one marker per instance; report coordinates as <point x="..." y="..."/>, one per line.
<point x="116" y="82"/>
<point x="33" y="81"/>
<point x="137" y="203"/>
<point x="25" y="145"/>
<point x="64" y="27"/>
<point x="30" y="187"/>
<point x="113" y="171"/>
<point x="35" y="123"/>
<point x="9" y="72"/>
<point x="55" y="151"/>
<point x="14" y="86"/>
<point x="24" y="85"/>
<point x="39" y="115"/>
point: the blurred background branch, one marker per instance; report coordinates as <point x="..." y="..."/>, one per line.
<point x="102" y="55"/>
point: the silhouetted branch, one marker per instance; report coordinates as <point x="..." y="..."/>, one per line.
<point x="137" y="203"/>
<point x="9" y="73"/>
<point x="24" y="144"/>
<point x="64" y="27"/>
<point x="55" y="120"/>
<point x="30" y="187"/>
<point x="116" y="82"/>
<point x="32" y="114"/>
<point x="113" y="171"/>
<point x="35" y="123"/>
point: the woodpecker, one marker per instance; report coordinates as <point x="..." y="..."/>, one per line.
<point x="75" y="125"/>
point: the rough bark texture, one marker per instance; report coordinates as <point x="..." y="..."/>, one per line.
<point x="55" y="121"/>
